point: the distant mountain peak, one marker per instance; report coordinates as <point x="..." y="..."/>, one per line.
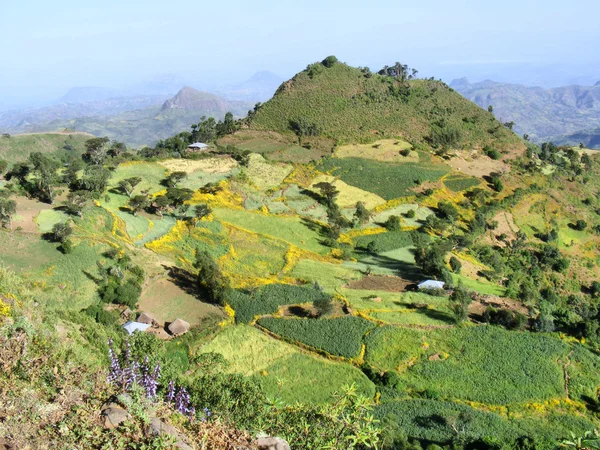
<point x="597" y="83"/>
<point x="189" y="98"/>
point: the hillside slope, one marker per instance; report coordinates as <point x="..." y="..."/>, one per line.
<point x="17" y="148"/>
<point x="541" y="113"/>
<point x="349" y="105"/>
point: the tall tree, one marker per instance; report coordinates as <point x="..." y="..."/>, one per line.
<point x="96" y="150"/>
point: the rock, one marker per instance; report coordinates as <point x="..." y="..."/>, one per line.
<point x="157" y="427"/>
<point x="113" y="415"/>
<point x="272" y="443"/>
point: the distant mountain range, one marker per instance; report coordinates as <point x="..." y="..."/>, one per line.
<point x="136" y="118"/>
<point x="560" y="114"/>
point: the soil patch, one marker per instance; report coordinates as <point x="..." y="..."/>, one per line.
<point x="380" y="283"/>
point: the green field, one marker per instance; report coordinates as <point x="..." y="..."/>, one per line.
<point x="483" y="364"/>
<point x="289" y="229"/>
<point x="387" y="180"/>
<point x="253" y="353"/>
<point x="18" y="147"/>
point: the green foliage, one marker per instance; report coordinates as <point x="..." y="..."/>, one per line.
<point x="393" y="223"/>
<point x="383" y="242"/>
<point x="387" y="180"/>
<point x="211" y="281"/>
<point x="268" y="299"/>
<point x="329" y="61"/>
<point x="455" y="264"/>
<point x="492" y="153"/>
<point x="340" y="336"/>
<point x="461" y="299"/>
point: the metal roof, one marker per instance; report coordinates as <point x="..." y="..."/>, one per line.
<point x="197" y="145"/>
<point x="132" y="327"/>
<point x="431" y="284"/>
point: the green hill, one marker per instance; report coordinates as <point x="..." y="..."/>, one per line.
<point x="349" y="105"/>
<point x="17" y="148"/>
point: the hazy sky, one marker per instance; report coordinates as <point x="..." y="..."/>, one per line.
<point x="50" y="46"/>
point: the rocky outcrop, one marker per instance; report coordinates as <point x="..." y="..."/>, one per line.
<point x="272" y="443"/>
<point x="157" y="427"/>
<point x="113" y="415"/>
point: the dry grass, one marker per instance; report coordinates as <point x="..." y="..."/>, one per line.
<point x="382" y="150"/>
<point x="349" y="195"/>
<point x="218" y="164"/>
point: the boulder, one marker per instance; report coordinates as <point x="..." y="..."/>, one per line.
<point x="157" y="427"/>
<point x="272" y="443"/>
<point x="113" y="415"/>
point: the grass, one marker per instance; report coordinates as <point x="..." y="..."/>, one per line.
<point x="18" y="147"/>
<point x="480" y="286"/>
<point x="482" y="364"/>
<point x="282" y="369"/>
<point x="288" y="229"/>
<point x="151" y="174"/>
<point x="383" y="242"/>
<point x="46" y="219"/>
<point x="387" y="180"/>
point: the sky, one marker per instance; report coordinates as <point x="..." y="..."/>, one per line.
<point x="48" y="47"/>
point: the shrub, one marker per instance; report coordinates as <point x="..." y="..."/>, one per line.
<point x="455" y="264"/>
<point x="329" y="61"/>
<point x="580" y="225"/>
<point x="405" y="151"/>
<point x="394" y="223"/>
<point x="341" y="336"/>
<point x="492" y="153"/>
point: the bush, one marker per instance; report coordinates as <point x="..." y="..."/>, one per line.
<point x="410" y="214"/>
<point x="329" y="61"/>
<point x="455" y="264"/>
<point x="394" y="223"/>
<point x="341" y="336"/>
<point x="128" y="293"/>
<point x="580" y="225"/>
<point x="492" y="153"/>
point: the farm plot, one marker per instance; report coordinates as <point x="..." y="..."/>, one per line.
<point x="349" y="195"/>
<point x="432" y="419"/>
<point x="421" y="213"/>
<point x="398" y="262"/>
<point x="387" y="180"/>
<point x="265" y="175"/>
<point x="152" y="174"/>
<point x="288" y="229"/>
<point x="459" y="183"/>
<point x="483" y="364"/>
<point x="387" y="150"/>
<point x="167" y="302"/>
<point x="268" y="299"/>
<point x="329" y="275"/>
<point x="341" y="336"/>
<point x="282" y="369"/>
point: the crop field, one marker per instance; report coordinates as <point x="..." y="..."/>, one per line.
<point x="481" y="286"/>
<point x="349" y="195"/>
<point x="421" y="213"/>
<point x="167" y="302"/>
<point x="213" y="165"/>
<point x="340" y="336"/>
<point x="284" y="370"/>
<point x="252" y="259"/>
<point x="432" y="420"/>
<point x="266" y="175"/>
<point x="382" y="242"/>
<point x="152" y="174"/>
<point x="398" y="262"/>
<point x="329" y="275"/>
<point x="18" y="147"/>
<point x="268" y="299"/>
<point x="382" y="150"/>
<point x="459" y="183"/>
<point x="387" y="180"/>
<point x="482" y="364"/>
<point x="288" y="229"/>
